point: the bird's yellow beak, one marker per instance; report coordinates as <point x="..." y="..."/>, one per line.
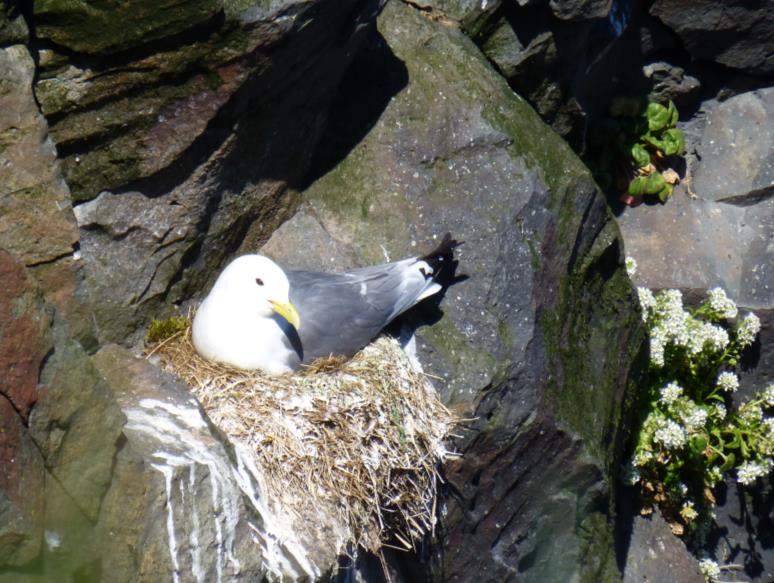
<point x="287" y="311"/>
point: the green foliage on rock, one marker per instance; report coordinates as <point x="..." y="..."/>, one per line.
<point x="641" y="142"/>
<point x="691" y="434"/>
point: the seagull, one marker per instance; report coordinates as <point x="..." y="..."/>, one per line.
<point x="258" y="316"/>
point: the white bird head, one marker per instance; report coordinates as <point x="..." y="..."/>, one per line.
<point x="257" y="283"/>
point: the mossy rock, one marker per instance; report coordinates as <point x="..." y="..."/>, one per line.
<point x="108" y="26"/>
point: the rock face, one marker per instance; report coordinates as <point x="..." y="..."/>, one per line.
<point x="169" y="143"/>
<point x="736" y="33"/>
<point x="187" y="132"/>
<point x="84" y="494"/>
<point x="654" y="556"/>
<point x="723" y="237"/>
<point x="737" y="150"/>
<point x="537" y="343"/>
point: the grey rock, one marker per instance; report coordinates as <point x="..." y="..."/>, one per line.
<point x="28" y="170"/>
<point x="735" y="33"/>
<point x="737" y="149"/>
<point x="510" y="349"/>
<point x="657" y="556"/>
<point x="196" y="508"/>
<point x="21" y="491"/>
<point x="671" y="83"/>
<point x="13" y="27"/>
<point x="580" y="9"/>
<point x="698" y="244"/>
<point x="76" y="424"/>
<point x="204" y="183"/>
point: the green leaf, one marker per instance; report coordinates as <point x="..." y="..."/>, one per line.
<point x="729" y="463"/>
<point x="658" y="117"/>
<point x="637" y="186"/>
<point x="654" y="142"/>
<point x="698" y="445"/>
<point x="666" y="192"/>
<point x="673" y="115"/>
<point x="654" y="183"/>
<point x="640" y="155"/>
<point x="674" y="142"/>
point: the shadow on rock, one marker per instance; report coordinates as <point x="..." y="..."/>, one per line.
<point x="373" y="78"/>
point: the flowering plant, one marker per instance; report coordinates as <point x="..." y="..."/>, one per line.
<point x="690" y="434"/>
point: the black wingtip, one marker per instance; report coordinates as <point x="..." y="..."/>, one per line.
<point x="442" y="255"/>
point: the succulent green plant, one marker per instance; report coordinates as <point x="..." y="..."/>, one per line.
<point x="645" y="138"/>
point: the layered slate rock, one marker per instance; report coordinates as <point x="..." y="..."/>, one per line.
<point x="24" y="343"/>
<point x="735" y="33"/>
<point x="735" y="158"/>
<point x="80" y="497"/>
<point x="183" y="129"/>
<point x="535" y="345"/>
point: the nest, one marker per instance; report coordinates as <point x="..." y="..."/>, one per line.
<point x="353" y="443"/>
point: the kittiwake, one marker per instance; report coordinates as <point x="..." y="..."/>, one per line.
<point x="257" y="316"/>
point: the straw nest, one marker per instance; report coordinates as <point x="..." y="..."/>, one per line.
<point x="353" y="445"/>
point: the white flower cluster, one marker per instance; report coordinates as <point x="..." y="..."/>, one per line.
<point x="748" y="472"/>
<point x="670" y="434"/>
<point x="670" y="393"/>
<point x="768" y="396"/>
<point x="748" y="329"/>
<point x="728" y="382"/>
<point x="721" y="303"/>
<point x="647" y="302"/>
<point x="751" y="413"/>
<point x="768" y="427"/>
<point x="673" y="325"/>
<point x="641" y="458"/>
<point x="720" y="411"/>
<point x="694" y="418"/>
<point x="703" y="334"/>
<point x="709" y="569"/>
<point x="631" y="266"/>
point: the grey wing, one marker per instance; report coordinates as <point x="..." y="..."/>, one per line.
<point x="341" y="313"/>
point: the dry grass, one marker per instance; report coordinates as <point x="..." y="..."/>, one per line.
<point x="355" y="443"/>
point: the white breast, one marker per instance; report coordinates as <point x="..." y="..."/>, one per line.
<point x="246" y="341"/>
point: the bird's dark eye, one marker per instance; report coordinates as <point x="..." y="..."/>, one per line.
<point x="259" y="281"/>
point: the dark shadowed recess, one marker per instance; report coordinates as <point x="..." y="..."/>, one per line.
<point x="372" y="79"/>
